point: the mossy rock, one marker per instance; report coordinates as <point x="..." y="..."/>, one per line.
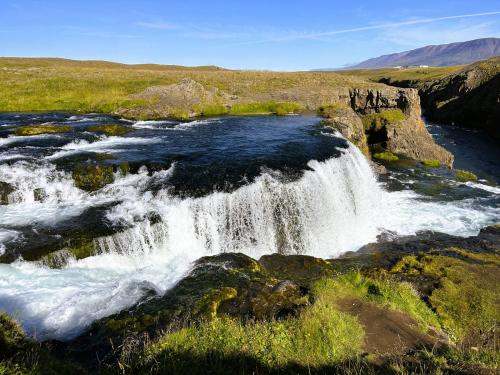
<point x="381" y="119"/>
<point x="42" y="129"/>
<point x="431" y="163"/>
<point x="302" y="269"/>
<point x="92" y="177"/>
<point x="5" y="190"/>
<point x="111" y="129"/>
<point x="385" y="156"/>
<point x="465" y="176"/>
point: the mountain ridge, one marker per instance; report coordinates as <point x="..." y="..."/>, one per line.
<point x="458" y="53"/>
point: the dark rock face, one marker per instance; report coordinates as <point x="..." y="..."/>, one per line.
<point x="5" y="190"/>
<point x="470" y="98"/>
<point x="408" y="137"/>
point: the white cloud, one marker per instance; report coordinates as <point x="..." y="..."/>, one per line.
<point x="417" y="36"/>
<point x="390" y="25"/>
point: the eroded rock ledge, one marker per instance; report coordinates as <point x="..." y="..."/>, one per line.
<point x="405" y="135"/>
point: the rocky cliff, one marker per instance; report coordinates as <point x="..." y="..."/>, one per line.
<point x="386" y="118"/>
<point x="469" y="98"/>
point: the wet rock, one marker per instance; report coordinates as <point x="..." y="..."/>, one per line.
<point x="348" y="123"/>
<point x="42" y="129"/>
<point x="5" y="190"/>
<point x="92" y="177"/>
<point x="39" y="194"/>
<point x="468" y="98"/>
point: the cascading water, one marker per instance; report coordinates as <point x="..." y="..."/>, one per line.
<point x="335" y="206"/>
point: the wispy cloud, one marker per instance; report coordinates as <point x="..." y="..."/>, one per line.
<point x="419" y="35"/>
<point x="158" y="25"/>
<point x="317" y="35"/>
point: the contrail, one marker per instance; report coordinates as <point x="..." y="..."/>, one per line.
<point x="374" y="27"/>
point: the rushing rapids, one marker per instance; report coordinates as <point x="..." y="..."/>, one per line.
<point x="326" y="202"/>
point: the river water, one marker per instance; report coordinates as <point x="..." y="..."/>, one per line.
<point x="256" y="185"/>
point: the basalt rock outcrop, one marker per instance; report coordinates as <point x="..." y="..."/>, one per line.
<point x="404" y="135"/>
<point x="470" y="98"/>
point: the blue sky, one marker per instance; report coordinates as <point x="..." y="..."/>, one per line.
<point x="278" y="35"/>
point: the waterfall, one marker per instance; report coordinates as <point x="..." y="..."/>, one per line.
<point x="336" y="206"/>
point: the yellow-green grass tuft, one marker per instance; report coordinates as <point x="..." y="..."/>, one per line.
<point x="385" y="156"/>
<point x="431" y="163"/>
<point x="464" y="176"/>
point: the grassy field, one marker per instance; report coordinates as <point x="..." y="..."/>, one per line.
<point x="96" y="86"/>
<point x="419" y="75"/>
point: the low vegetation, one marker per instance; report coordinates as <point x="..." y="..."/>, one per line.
<point x="465" y="176"/>
<point x="415" y="75"/>
<point x="381" y="119"/>
<point x="42" y="129"/>
<point x="385" y="156"/>
<point x="92" y="86"/>
<point x="431" y="163"/>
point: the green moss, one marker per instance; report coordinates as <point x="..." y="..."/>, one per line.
<point x="42" y="129"/>
<point x="207" y="306"/>
<point x="464" y="176"/>
<point x="378" y="120"/>
<point x="468" y="286"/>
<point x="387" y="293"/>
<point x="110" y="129"/>
<point x="92" y="177"/>
<point x="386" y="156"/>
<point x="431" y="163"/>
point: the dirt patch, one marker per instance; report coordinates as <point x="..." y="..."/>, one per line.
<point x="387" y="331"/>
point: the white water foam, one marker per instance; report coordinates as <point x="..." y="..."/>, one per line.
<point x="336" y="206"/>
<point x="19" y="138"/>
<point x="104" y="144"/>
<point x="61" y="198"/>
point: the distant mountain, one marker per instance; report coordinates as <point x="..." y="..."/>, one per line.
<point x="438" y="55"/>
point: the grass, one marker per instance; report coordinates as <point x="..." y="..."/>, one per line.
<point x="321" y="336"/>
<point x="464" y="176"/>
<point x="387" y="293"/>
<point x="417" y="75"/>
<point x="42" y="129"/>
<point x="463" y="308"/>
<point x="378" y="120"/>
<point x="93" y="86"/>
<point x="386" y="156"/>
